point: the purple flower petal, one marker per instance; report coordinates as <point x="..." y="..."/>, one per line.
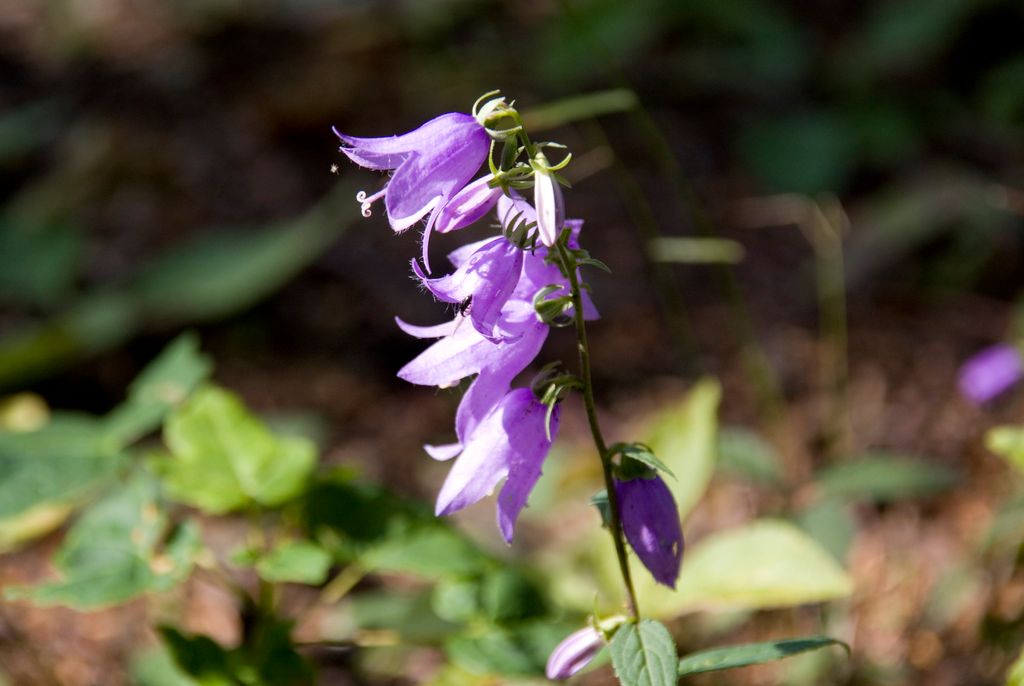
<point x="990" y="372"/>
<point x="466" y="352"/>
<point x="510" y="442"/>
<point x="650" y="521"/>
<point x="468" y="205"/>
<point x="387" y="152"/>
<point x="484" y="281"/>
<point x="574" y="653"/>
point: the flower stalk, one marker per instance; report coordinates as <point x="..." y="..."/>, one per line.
<point x="615" y="513"/>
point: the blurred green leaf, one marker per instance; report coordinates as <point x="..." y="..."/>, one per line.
<point x="507" y="595"/>
<point x="457" y="599"/>
<point x="156" y="667"/>
<point x="1008" y="443"/>
<point x="224" y="458"/>
<point x="411" y="616"/>
<point x="199" y="657"/>
<point x="112" y="553"/>
<point x="38" y="264"/>
<point x="885" y="478"/>
<point x="643" y="654"/>
<point x="166" y="382"/>
<point x="748" y="654"/>
<point x="266" y="658"/>
<point x="683" y="436"/>
<point x="298" y="562"/>
<point x="744" y="453"/>
<point x="222" y="274"/>
<point x="1006" y="533"/>
<point x="507" y="652"/>
<point x="766" y="563"/>
<point x="805" y="152"/>
<point x="831" y="524"/>
<point x="58" y="464"/>
<point x="387" y="533"/>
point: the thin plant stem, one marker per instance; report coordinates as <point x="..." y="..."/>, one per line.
<point x="615" y="523"/>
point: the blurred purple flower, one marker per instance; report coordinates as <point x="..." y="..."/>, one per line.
<point x="990" y="372"/>
<point x="509" y="443"/>
<point x="650" y="521"/>
<point x="431" y="164"/>
<point x="574" y="653"/>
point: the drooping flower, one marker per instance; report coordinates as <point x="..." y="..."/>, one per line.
<point x="431" y="165"/>
<point x="574" y="653"/>
<point x="510" y="443"/>
<point x="468" y="205"/>
<point x="650" y="521"/>
<point x="483" y="283"/>
<point x="990" y="372"/>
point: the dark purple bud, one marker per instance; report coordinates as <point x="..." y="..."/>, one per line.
<point x="574" y="653"/>
<point x="990" y="372"/>
<point x="650" y="521"/>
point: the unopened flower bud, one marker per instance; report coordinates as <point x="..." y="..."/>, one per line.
<point x="650" y="521"/>
<point x="990" y="372"/>
<point x="547" y="200"/>
<point x="574" y="653"/>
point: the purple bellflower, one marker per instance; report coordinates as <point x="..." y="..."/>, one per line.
<point x="483" y="282"/>
<point x="547" y="198"/>
<point x="650" y="521"/>
<point x="510" y="443"/>
<point x="574" y="653"/>
<point x="431" y="165"/>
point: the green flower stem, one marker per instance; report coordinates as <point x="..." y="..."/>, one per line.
<point x="569" y="264"/>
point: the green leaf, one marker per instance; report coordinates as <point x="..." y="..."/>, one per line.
<point x="1008" y="443"/>
<point x="156" y="667"/>
<point x="644" y="654"/>
<point x="388" y="533"/>
<point x="748" y="654"/>
<point x="224" y="458"/>
<point x="412" y="616"/>
<point x="165" y="383"/>
<point x="744" y="453"/>
<point x="112" y="553"/>
<point x="58" y="464"/>
<point x="642" y="454"/>
<point x="831" y="524"/>
<point x="508" y="652"/>
<point x="885" y="478"/>
<point x="684" y="437"/>
<point x="766" y="563"/>
<point x="38" y="263"/>
<point x="508" y="596"/>
<point x="298" y="562"/>
<point x="199" y="657"/>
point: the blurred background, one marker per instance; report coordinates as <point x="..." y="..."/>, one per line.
<point x="818" y="204"/>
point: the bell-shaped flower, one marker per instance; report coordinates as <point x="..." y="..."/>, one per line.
<point x="482" y="284"/>
<point x="574" y="653"/>
<point x="510" y="443"/>
<point x="462" y="351"/>
<point x="431" y="165"/>
<point x="468" y="205"/>
<point x="650" y="521"/>
<point x="990" y="372"/>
